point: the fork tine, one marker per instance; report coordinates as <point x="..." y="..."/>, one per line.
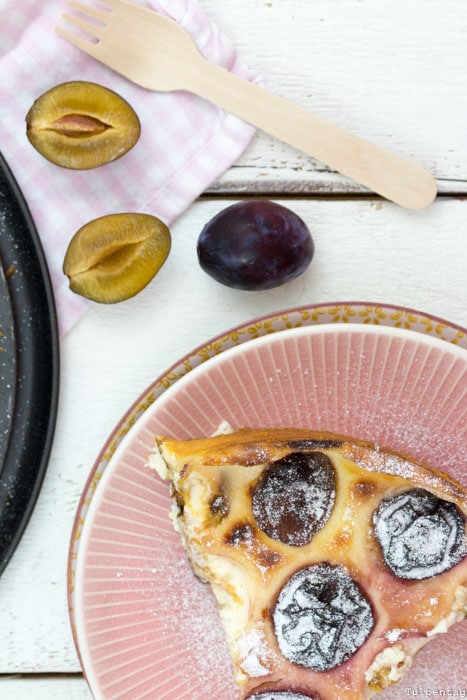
<point x="84" y="44"/>
<point x="118" y="3"/>
<point x="90" y="10"/>
<point x="88" y="27"/>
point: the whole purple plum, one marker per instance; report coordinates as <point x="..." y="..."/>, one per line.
<point x="255" y="245"/>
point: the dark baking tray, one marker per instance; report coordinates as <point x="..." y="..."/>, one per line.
<point x="29" y="364"/>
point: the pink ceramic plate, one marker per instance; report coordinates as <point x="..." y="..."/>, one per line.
<point x="144" y="626"/>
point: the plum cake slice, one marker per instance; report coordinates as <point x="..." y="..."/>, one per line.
<point x="332" y="561"/>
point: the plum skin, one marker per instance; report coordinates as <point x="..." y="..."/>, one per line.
<point x="255" y="245"/>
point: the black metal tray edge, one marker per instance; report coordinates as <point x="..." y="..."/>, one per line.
<point x="37" y="370"/>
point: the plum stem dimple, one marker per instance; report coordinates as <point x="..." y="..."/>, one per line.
<point x="78" y="125"/>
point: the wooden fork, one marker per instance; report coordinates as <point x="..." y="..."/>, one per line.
<point x="155" y="52"/>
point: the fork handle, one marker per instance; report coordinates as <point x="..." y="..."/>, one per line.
<point x="395" y="178"/>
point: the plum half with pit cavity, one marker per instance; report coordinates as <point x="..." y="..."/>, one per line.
<point x="114" y="257"/>
<point x="82" y="125"/>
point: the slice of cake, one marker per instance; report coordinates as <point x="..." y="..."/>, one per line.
<point x="332" y="561"/>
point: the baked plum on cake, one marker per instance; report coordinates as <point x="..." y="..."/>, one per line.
<point x="332" y="561"/>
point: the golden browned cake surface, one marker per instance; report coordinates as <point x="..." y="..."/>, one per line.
<point x="332" y="561"/>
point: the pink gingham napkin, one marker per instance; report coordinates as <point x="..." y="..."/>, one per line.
<point x="185" y="144"/>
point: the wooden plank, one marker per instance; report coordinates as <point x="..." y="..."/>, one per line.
<point x="282" y="180"/>
<point x="44" y="688"/>
<point x="389" y="71"/>
<point x="366" y="250"/>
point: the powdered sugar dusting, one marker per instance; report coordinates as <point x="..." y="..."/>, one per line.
<point x="281" y="695"/>
<point x="294" y="497"/>
<point x="394" y="635"/>
<point x="321" y="617"/>
<point x="187" y="615"/>
<point x="252" y="651"/>
<point x="420" y="535"/>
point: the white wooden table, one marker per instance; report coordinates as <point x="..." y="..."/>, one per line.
<point x="390" y="70"/>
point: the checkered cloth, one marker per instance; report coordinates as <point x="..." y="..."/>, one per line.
<point x="185" y="144"/>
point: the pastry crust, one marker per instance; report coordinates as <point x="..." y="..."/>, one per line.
<point x="222" y="488"/>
